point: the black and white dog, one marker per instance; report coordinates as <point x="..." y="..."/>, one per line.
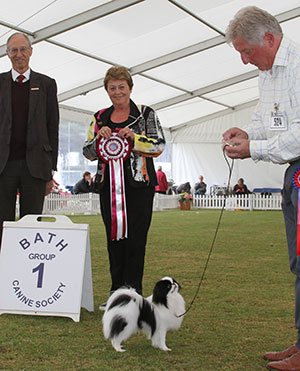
<point x="127" y="312"/>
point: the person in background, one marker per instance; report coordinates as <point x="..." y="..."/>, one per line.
<point x="183" y="188"/>
<point x="200" y="187"/>
<point x="274" y="133"/>
<point x="139" y="125"/>
<point x="240" y="188"/>
<point x="162" y="186"/>
<point x="84" y="185"/>
<point x="29" y="120"/>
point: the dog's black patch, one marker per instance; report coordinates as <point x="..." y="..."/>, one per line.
<point x="120" y="300"/>
<point x="147" y="316"/>
<point x="118" y="325"/>
<point x="160" y="292"/>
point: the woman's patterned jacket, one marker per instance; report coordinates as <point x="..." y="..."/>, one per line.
<point x="149" y="141"/>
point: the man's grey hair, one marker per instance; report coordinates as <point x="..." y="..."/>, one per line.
<point x="251" y="24"/>
<point x="18" y="33"/>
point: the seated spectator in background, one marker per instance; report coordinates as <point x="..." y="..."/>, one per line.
<point x="200" y="188"/>
<point x="162" y="186"/>
<point x="184" y="188"/>
<point x="240" y="188"/>
<point x="84" y="185"/>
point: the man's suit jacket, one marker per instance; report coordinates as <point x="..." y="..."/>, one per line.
<point x="42" y="130"/>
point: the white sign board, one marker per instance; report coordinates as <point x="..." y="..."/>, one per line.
<point x="45" y="267"/>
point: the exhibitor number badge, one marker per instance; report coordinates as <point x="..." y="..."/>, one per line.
<point x="277" y="121"/>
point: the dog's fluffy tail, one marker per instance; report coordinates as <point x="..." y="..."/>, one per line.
<point x="120" y="317"/>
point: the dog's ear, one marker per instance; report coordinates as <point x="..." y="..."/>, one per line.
<point x="160" y="292"/>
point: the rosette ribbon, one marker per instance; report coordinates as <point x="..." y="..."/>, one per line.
<point x="296" y="184"/>
<point x="114" y="151"/>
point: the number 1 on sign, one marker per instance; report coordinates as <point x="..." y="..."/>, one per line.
<point x="40" y="269"/>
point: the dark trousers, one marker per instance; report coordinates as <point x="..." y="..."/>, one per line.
<point x="16" y="178"/>
<point x="290" y="209"/>
<point x="126" y="256"/>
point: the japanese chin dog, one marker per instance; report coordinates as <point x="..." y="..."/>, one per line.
<point x="127" y="312"/>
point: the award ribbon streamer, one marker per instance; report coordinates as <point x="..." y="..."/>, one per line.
<point x="114" y="151"/>
<point x="298" y="226"/>
<point x="117" y="199"/>
<point x="296" y="184"/>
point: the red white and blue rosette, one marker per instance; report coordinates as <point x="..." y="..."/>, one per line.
<point x="114" y="151"/>
<point x="296" y="179"/>
<point x="113" y="148"/>
<point x="296" y="184"/>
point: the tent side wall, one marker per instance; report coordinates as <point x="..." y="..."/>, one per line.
<point x="197" y="149"/>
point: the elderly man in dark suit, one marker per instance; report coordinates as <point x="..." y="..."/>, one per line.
<point x="29" y="119"/>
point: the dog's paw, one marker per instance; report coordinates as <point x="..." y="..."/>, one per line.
<point x="118" y="347"/>
<point x="165" y="348"/>
<point x="121" y="350"/>
<point x="162" y="347"/>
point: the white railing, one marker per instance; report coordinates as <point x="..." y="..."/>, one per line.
<point x="162" y="202"/>
<point x="267" y="203"/>
<point x="248" y="202"/>
<point x="208" y="202"/>
<point x="89" y="203"/>
<point x="86" y="203"/>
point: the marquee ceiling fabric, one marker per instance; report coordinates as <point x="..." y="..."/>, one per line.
<point x="175" y="50"/>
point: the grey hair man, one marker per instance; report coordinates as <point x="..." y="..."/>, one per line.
<point x="274" y="132"/>
<point x="28" y="133"/>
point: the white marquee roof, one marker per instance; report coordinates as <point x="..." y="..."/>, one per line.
<point x="175" y="51"/>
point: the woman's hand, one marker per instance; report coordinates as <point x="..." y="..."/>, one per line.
<point x="126" y="133"/>
<point x="104" y="132"/>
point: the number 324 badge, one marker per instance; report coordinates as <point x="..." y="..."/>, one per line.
<point x="277" y="119"/>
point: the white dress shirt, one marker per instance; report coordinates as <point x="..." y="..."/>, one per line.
<point x="280" y="86"/>
<point x="16" y="74"/>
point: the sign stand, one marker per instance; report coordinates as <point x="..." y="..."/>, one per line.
<point x="45" y="267"/>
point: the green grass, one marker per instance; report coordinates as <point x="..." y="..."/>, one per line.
<point x="245" y="305"/>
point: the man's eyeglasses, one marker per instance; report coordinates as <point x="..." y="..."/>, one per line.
<point x="23" y="50"/>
